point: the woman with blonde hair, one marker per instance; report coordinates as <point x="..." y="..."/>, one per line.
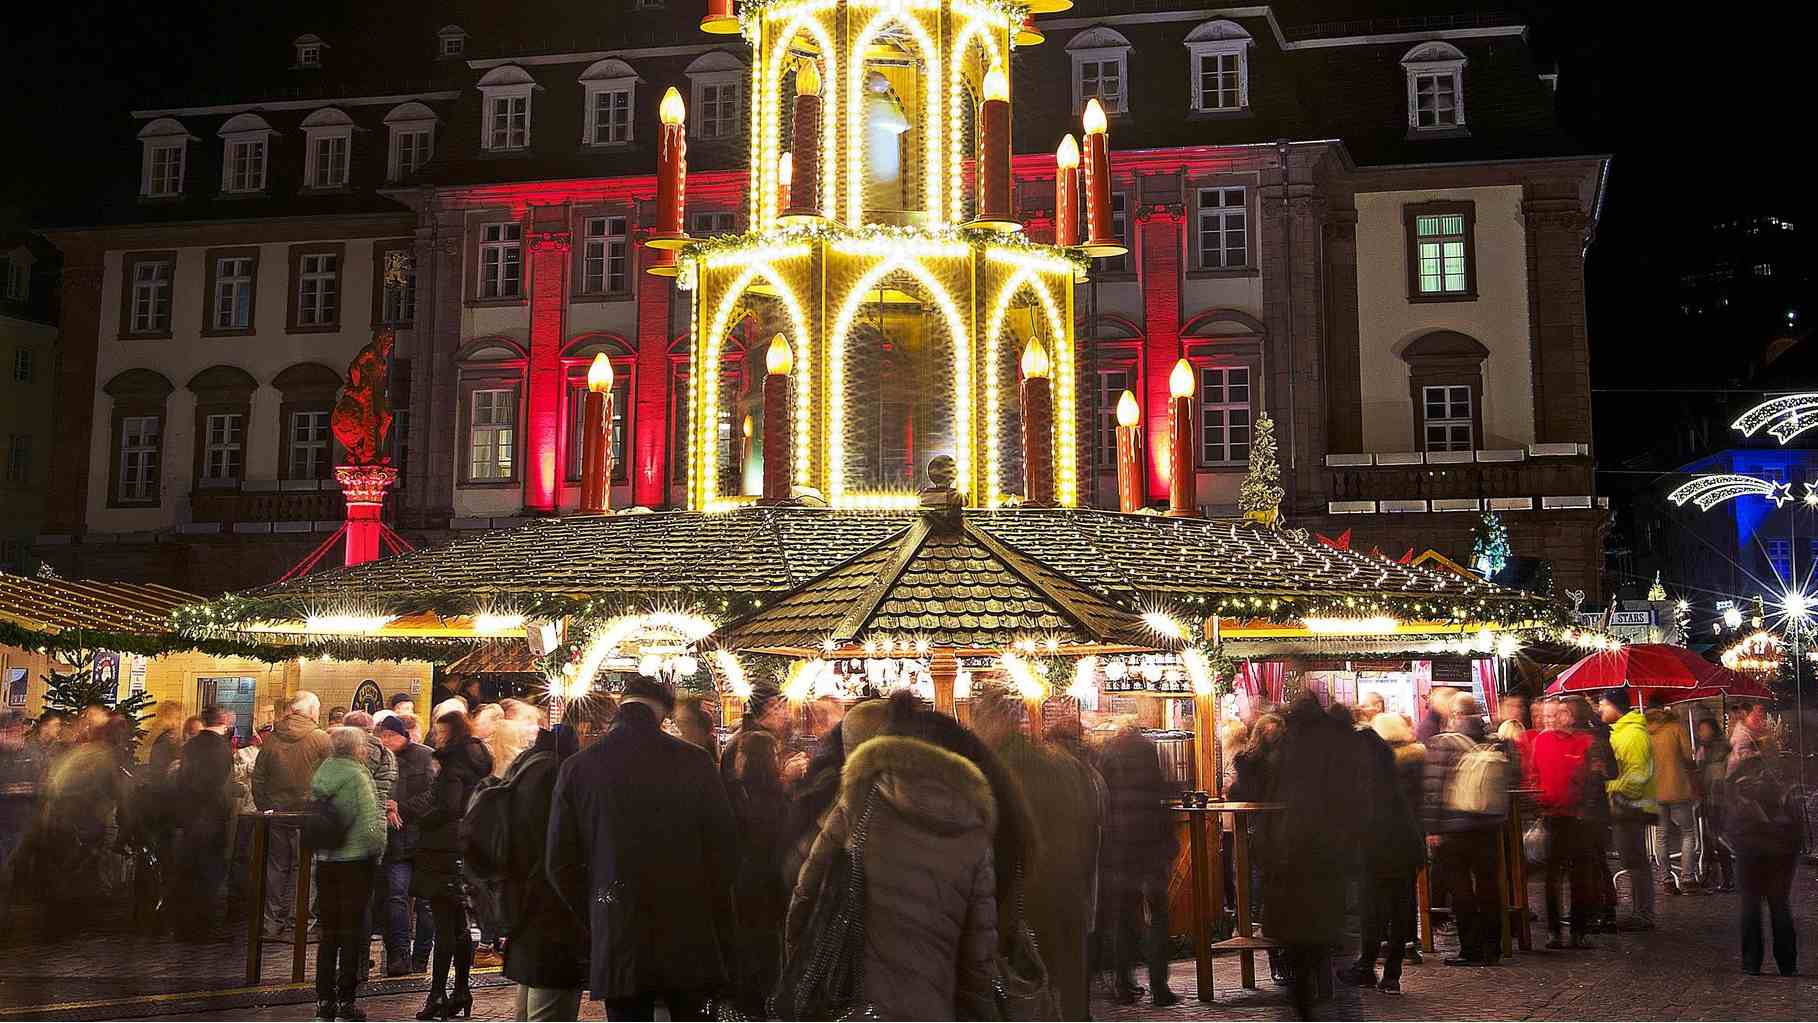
<point x="166" y="735"/>
<point x="508" y="739"/>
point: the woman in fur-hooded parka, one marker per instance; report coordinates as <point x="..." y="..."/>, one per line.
<point x="930" y="879"/>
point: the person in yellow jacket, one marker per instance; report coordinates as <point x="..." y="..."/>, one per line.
<point x="1632" y="801"/>
<point x="1676" y="789"/>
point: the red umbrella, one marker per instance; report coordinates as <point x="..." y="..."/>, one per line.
<point x="1656" y="671"/>
<point x="1729" y="683"/>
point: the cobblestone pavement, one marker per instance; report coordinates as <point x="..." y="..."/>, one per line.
<point x="1687" y="970"/>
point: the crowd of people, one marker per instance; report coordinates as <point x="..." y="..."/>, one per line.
<point x="886" y="859"/>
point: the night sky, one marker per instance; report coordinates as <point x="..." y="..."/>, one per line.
<point x="1705" y="118"/>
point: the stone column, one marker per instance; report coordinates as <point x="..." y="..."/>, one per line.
<point x="1158" y="260"/>
<point x="66" y="488"/>
<point x="433" y="449"/>
<point x="550" y="243"/>
<point x="1555" y="221"/>
<point x="1344" y="372"/>
<point x="1291" y="238"/>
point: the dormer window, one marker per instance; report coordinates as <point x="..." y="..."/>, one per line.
<point x="309" y="50"/>
<point x="505" y="100"/>
<point x="451" y="41"/>
<point x="16" y="268"/>
<point x="245" y="148"/>
<point x="328" y="148"/>
<point x="413" y="134"/>
<point x="609" y="86"/>
<point x="1219" y="63"/>
<point x="165" y="155"/>
<point x="1101" y="68"/>
<point x="716" y="105"/>
<point x="1435" y="88"/>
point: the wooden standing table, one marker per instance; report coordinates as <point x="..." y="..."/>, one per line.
<point x="1208" y="888"/>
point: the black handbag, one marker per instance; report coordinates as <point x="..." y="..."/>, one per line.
<point x="1021" y="986"/>
<point x="824" y="974"/>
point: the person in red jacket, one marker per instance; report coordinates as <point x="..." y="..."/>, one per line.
<point x="1556" y="766"/>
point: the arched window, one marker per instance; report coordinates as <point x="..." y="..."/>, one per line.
<point x="1445" y="382"/>
<point x="245" y="150"/>
<point x="413" y="139"/>
<point x="609" y="86"/>
<point x="223" y="409"/>
<point x="451" y="42"/>
<point x="491" y="413"/>
<point x="165" y="144"/>
<point x="716" y="83"/>
<point x="1219" y="66"/>
<point x="135" y="470"/>
<point x="328" y="148"/>
<point x="1435" y="87"/>
<point x="1101" y="68"/>
<point x="505" y="101"/>
<point x="306" y="399"/>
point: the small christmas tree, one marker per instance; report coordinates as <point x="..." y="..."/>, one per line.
<point x="1260" y="496"/>
<point x="1490" y="545"/>
<point x="72" y="691"/>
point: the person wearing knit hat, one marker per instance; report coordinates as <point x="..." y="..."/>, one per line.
<point x="1617" y="697"/>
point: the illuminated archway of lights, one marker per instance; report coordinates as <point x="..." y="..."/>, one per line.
<point x="1785" y="417"/>
<point x="1709" y="491"/>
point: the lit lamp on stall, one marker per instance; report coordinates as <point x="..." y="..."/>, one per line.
<point x="596" y="446"/>
<point x="719" y="19"/>
<point x="1038" y="427"/>
<point x="1181" y="499"/>
<point x="672" y="180"/>
<point x="803" y="194"/>
<point x="994" y="154"/>
<point x="1099" y="239"/>
<point x="1129" y="485"/>
<point x="778" y="361"/>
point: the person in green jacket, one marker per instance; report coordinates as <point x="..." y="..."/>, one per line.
<point x="344" y="874"/>
<point x="1632" y="803"/>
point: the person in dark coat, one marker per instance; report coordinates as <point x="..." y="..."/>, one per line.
<point x="643" y="849"/>
<point x="411" y="796"/>
<point x="200" y="851"/>
<point x="761" y="809"/>
<point x="1138" y="854"/>
<point x="1305" y="846"/>
<point x="1394" y="849"/>
<point x="1464" y="853"/>
<point x="461" y="763"/>
<point x="1767" y="828"/>
<point x="544" y="953"/>
<point x="1599" y="768"/>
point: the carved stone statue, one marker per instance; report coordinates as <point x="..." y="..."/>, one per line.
<point x="362" y="415"/>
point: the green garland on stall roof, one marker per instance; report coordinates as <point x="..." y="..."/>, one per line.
<point x="362" y="648"/>
<point x="833" y="233"/>
<point x="1287" y="608"/>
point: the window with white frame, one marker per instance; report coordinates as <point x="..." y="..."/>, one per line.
<point x="19" y="459"/>
<point x="245" y="168"/>
<point x="309" y="51"/>
<point x="501" y="254"/>
<point x="1112" y="383"/>
<point x="451" y="41"/>
<point x="1224" y="415"/>
<point x="505" y="94"/>
<point x="1219" y="62"/>
<point x="491" y="433"/>
<point x="164" y="169"/>
<point x="709" y="223"/>
<point x="139" y="438"/>
<point x="1442" y="253"/>
<point x="605" y="252"/>
<point x="609" y="116"/>
<point x="1104" y="79"/>
<point x="1435" y="73"/>
<point x="24" y="361"/>
<point x="1224" y="240"/>
<point x="150" y="307"/>
<point x="328" y="159"/>
<point x="223" y="436"/>
<point x="318" y="289"/>
<point x="1447" y="416"/>
<point x="715" y="93"/>
<point x="309" y="445"/>
<point x="410" y="149"/>
<point x="1101" y="68"/>
<point x="233" y="298"/>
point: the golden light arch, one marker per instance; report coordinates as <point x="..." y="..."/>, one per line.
<point x="973" y="34"/>
<point x="764" y="209"/>
<point x="855" y="75"/>
<point x="836" y="368"/>
<point x="704" y="382"/>
<point x="1059" y="342"/>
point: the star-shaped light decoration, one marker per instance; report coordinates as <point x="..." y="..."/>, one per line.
<point x="1709" y="491"/>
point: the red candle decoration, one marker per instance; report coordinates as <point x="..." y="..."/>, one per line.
<point x="805" y="155"/>
<point x="1038" y="427"/>
<point x="1066" y="193"/>
<point x="994" y="154"/>
<point x="777" y="363"/>
<point x="1099" y="239"/>
<point x="596" y="442"/>
<point x="1129" y="485"/>
<point x="1181" y="498"/>
<point x="719" y="19"/>
<point x="672" y="173"/>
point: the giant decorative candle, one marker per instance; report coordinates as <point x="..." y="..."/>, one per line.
<point x="1129" y="487"/>
<point x="672" y="173"/>
<point x="719" y="18"/>
<point x="994" y="153"/>
<point x="777" y="363"/>
<point x="1181" y="483"/>
<point x="1100" y="239"/>
<point x="1038" y="426"/>
<point x="596" y="441"/>
<point x="1066" y="193"/>
<point x="805" y="149"/>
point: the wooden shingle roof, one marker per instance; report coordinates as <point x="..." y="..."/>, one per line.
<point x="69" y="605"/>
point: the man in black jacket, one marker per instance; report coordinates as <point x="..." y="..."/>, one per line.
<point x="410" y="798"/>
<point x="642" y="848"/>
<point x="201" y="796"/>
